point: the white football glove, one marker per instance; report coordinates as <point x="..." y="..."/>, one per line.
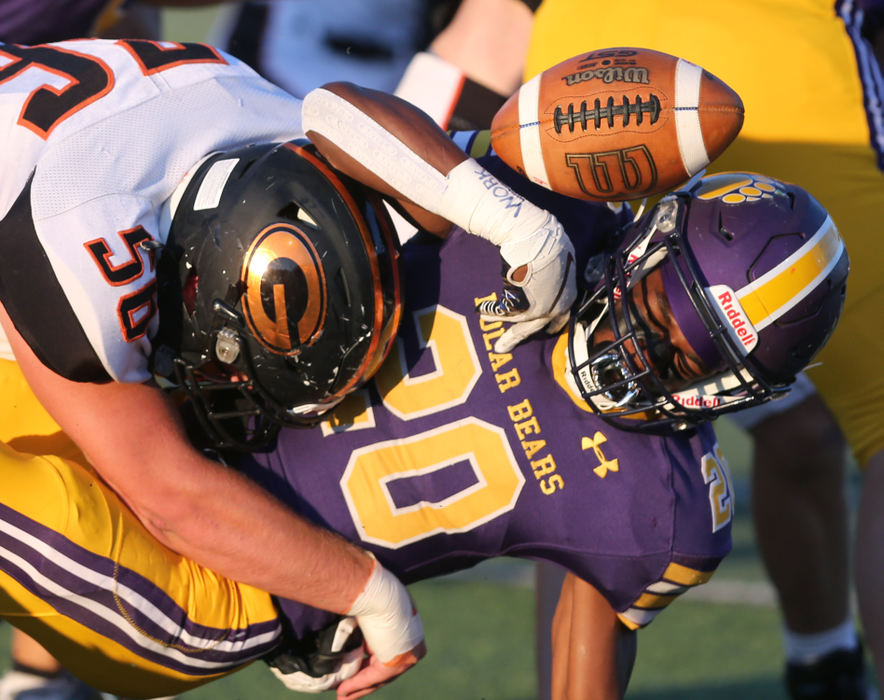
<point x="540" y="285"/>
<point x="337" y="656"/>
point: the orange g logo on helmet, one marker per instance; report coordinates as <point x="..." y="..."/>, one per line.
<point x="285" y="297"/>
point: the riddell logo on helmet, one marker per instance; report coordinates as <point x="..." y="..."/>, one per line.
<point x="732" y="312"/>
<point x="697" y="401"/>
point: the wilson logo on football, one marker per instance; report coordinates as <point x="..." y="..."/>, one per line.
<point x="285" y="297"/>
<point x="610" y="74"/>
<point x="732" y="313"/>
<point x="611" y="173"/>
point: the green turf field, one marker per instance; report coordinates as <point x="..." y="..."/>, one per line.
<point x="720" y="642"/>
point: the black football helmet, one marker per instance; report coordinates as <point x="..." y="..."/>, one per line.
<point x="279" y="291"/>
<point x="711" y="302"/>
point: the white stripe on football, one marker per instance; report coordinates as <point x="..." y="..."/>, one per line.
<point x="617" y="124"/>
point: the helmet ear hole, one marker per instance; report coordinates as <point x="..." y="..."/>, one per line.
<point x="189" y="291"/>
<point x="293" y="212"/>
<point x="723" y="231"/>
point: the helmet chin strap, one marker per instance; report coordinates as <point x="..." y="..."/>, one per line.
<point x="710" y="393"/>
<point x="315" y="409"/>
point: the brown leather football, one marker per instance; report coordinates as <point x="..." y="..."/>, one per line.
<point x="617" y="124"/>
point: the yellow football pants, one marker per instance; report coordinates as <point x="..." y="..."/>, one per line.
<point x="81" y="575"/>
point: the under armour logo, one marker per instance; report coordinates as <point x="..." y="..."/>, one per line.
<point x="604" y="464"/>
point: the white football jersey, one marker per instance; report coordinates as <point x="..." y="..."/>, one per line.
<point x="94" y="138"/>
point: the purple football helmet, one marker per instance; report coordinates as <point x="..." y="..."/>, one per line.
<point x="711" y="302"/>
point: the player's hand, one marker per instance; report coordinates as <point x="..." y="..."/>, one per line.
<point x="323" y="660"/>
<point x="539" y="285"/>
<point x="376" y="673"/>
<point x="393" y="632"/>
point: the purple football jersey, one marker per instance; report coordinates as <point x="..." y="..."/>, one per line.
<point x="454" y="454"/>
<point x="42" y="21"/>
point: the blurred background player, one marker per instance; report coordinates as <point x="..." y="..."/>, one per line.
<point x="799" y="457"/>
<point x="42" y="21"/>
<point x="301" y="45"/>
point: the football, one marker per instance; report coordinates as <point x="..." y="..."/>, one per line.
<point x="616" y="124"/>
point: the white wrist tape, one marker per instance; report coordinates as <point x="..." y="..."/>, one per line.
<point x="469" y="196"/>
<point x="479" y="203"/>
<point x="386" y="616"/>
<point x="363" y="139"/>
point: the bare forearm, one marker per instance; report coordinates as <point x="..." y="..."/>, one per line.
<point x="488" y="40"/>
<point x="413" y="130"/>
<point x="228" y="524"/>
<point x="197" y="507"/>
<point x="412" y="127"/>
<point x="216" y="517"/>
<point x="393" y="147"/>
